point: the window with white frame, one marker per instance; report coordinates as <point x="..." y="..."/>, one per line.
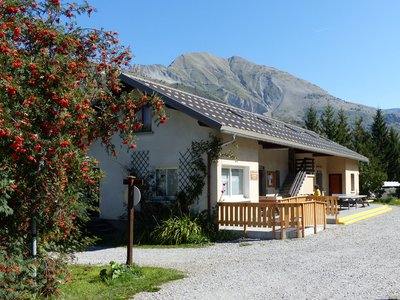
<point x="166" y="182"/>
<point x="352" y="182"/>
<point x="232" y="180"/>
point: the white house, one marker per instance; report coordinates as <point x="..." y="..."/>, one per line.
<point x="269" y="154"/>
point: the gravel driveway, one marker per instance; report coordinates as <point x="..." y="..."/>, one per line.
<point x="358" y="261"/>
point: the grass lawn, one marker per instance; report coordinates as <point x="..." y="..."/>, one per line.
<point x="393" y="201"/>
<point x="86" y="283"/>
<point x="173" y="246"/>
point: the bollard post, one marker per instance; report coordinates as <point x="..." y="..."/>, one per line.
<point x="130" y="180"/>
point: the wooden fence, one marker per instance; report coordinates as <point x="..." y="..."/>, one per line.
<point x="332" y="206"/>
<point x="277" y="216"/>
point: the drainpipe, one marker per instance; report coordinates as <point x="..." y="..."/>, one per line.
<point x="229" y="142"/>
<point x="209" y="162"/>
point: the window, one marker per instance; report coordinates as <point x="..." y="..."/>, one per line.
<point x="144" y="116"/>
<point x="319" y="179"/>
<point x="166" y="183"/>
<point x="352" y="182"/>
<point x="233" y="180"/>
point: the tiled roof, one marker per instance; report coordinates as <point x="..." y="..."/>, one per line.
<point x="229" y="119"/>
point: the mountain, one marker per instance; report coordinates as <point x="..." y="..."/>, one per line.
<point x="265" y="90"/>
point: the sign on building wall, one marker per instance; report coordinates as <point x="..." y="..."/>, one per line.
<point x="253" y="175"/>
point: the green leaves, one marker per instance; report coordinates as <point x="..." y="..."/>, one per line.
<point x="59" y="92"/>
<point x="178" y="230"/>
<point x="118" y="270"/>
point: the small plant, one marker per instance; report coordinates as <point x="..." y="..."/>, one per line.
<point x="179" y="230"/>
<point x="118" y="270"/>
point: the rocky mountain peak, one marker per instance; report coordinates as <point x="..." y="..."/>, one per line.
<point x="257" y="88"/>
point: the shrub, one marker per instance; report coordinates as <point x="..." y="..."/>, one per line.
<point x="120" y="271"/>
<point x="59" y="92"/>
<point x="25" y="278"/>
<point x="179" y="230"/>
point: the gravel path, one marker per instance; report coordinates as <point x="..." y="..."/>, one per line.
<point x="358" y="261"/>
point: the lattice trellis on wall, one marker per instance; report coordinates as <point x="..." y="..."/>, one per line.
<point x="186" y="170"/>
<point x="140" y="164"/>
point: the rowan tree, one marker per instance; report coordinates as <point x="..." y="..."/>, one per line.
<point x="59" y="92"/>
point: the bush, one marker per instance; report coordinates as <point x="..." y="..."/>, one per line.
<point x="179" y="230"/>
<point x="209" y="227"/>
<point x="151" y="214"/>
<point x="120" y="271"/>
<point x="18" y="280"/>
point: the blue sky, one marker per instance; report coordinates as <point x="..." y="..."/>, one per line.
<point x="350" y="48"/>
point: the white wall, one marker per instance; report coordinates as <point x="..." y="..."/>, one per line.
<point x="321" y="163"/>
<point x="336" y="165"/>
<point x="275" y="160"/>
<point x="246" y="152"/>
<point x="164" y="143"/>
<point x="308" y="185"/>
<point x="352" y="168"/>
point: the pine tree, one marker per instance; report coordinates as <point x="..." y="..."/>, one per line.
<point x="343" y="130"/>
<point x="311" y="122"/>
<point x="329" y="126"/>
<point x="380" y="140"/>
<point x="393" y="155"/>
<point x="360" y="138"/>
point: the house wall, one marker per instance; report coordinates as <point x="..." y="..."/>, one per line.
<point x="246" y="152"/>
<point x="346" y="167"/>
<point x="164" y="145"/>
<point x="352" y="168"/>
<point x="308" y="185"/>
<point x="274" y="160"/>
<point x="336" y="165"/>
<point x="321" y="165"/>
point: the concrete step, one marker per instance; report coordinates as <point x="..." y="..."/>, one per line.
<point x="364" y="215"/>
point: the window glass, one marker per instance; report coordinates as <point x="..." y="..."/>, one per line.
<point x="353" y="184"/>
<point x="225" y="180"/>
<point x="166" y="182"/>
<point x="319" y="179"/>
<point x="144" y="116"/>
<point x="237" y="182"/>
<point x="161" y="188"/>
<point x="233" y="180"/>
<point x="172" y="182"/>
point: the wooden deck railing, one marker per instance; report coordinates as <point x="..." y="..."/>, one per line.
<point x="332" y="206"/>
<point x="278" y="216"/>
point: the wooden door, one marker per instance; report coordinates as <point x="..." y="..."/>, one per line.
<point x="335" y="184"/>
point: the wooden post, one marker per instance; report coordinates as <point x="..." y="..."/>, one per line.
<point x="303" y="221"/>
<point x="209" y="162"/>
<point x="315" y="217"/>
<point x="130" y="180"/>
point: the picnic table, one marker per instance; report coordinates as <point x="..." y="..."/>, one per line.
<point x="352" y="199"/>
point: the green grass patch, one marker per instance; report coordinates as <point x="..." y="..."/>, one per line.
<point x="87" y="284"/>
<point x="392" y="201"/>
<point x="244" y="244"/>
<point x="174" y="246"/>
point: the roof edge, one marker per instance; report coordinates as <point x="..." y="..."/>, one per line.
<point x="263" y="137"/>
<point x="127" y="79"/>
